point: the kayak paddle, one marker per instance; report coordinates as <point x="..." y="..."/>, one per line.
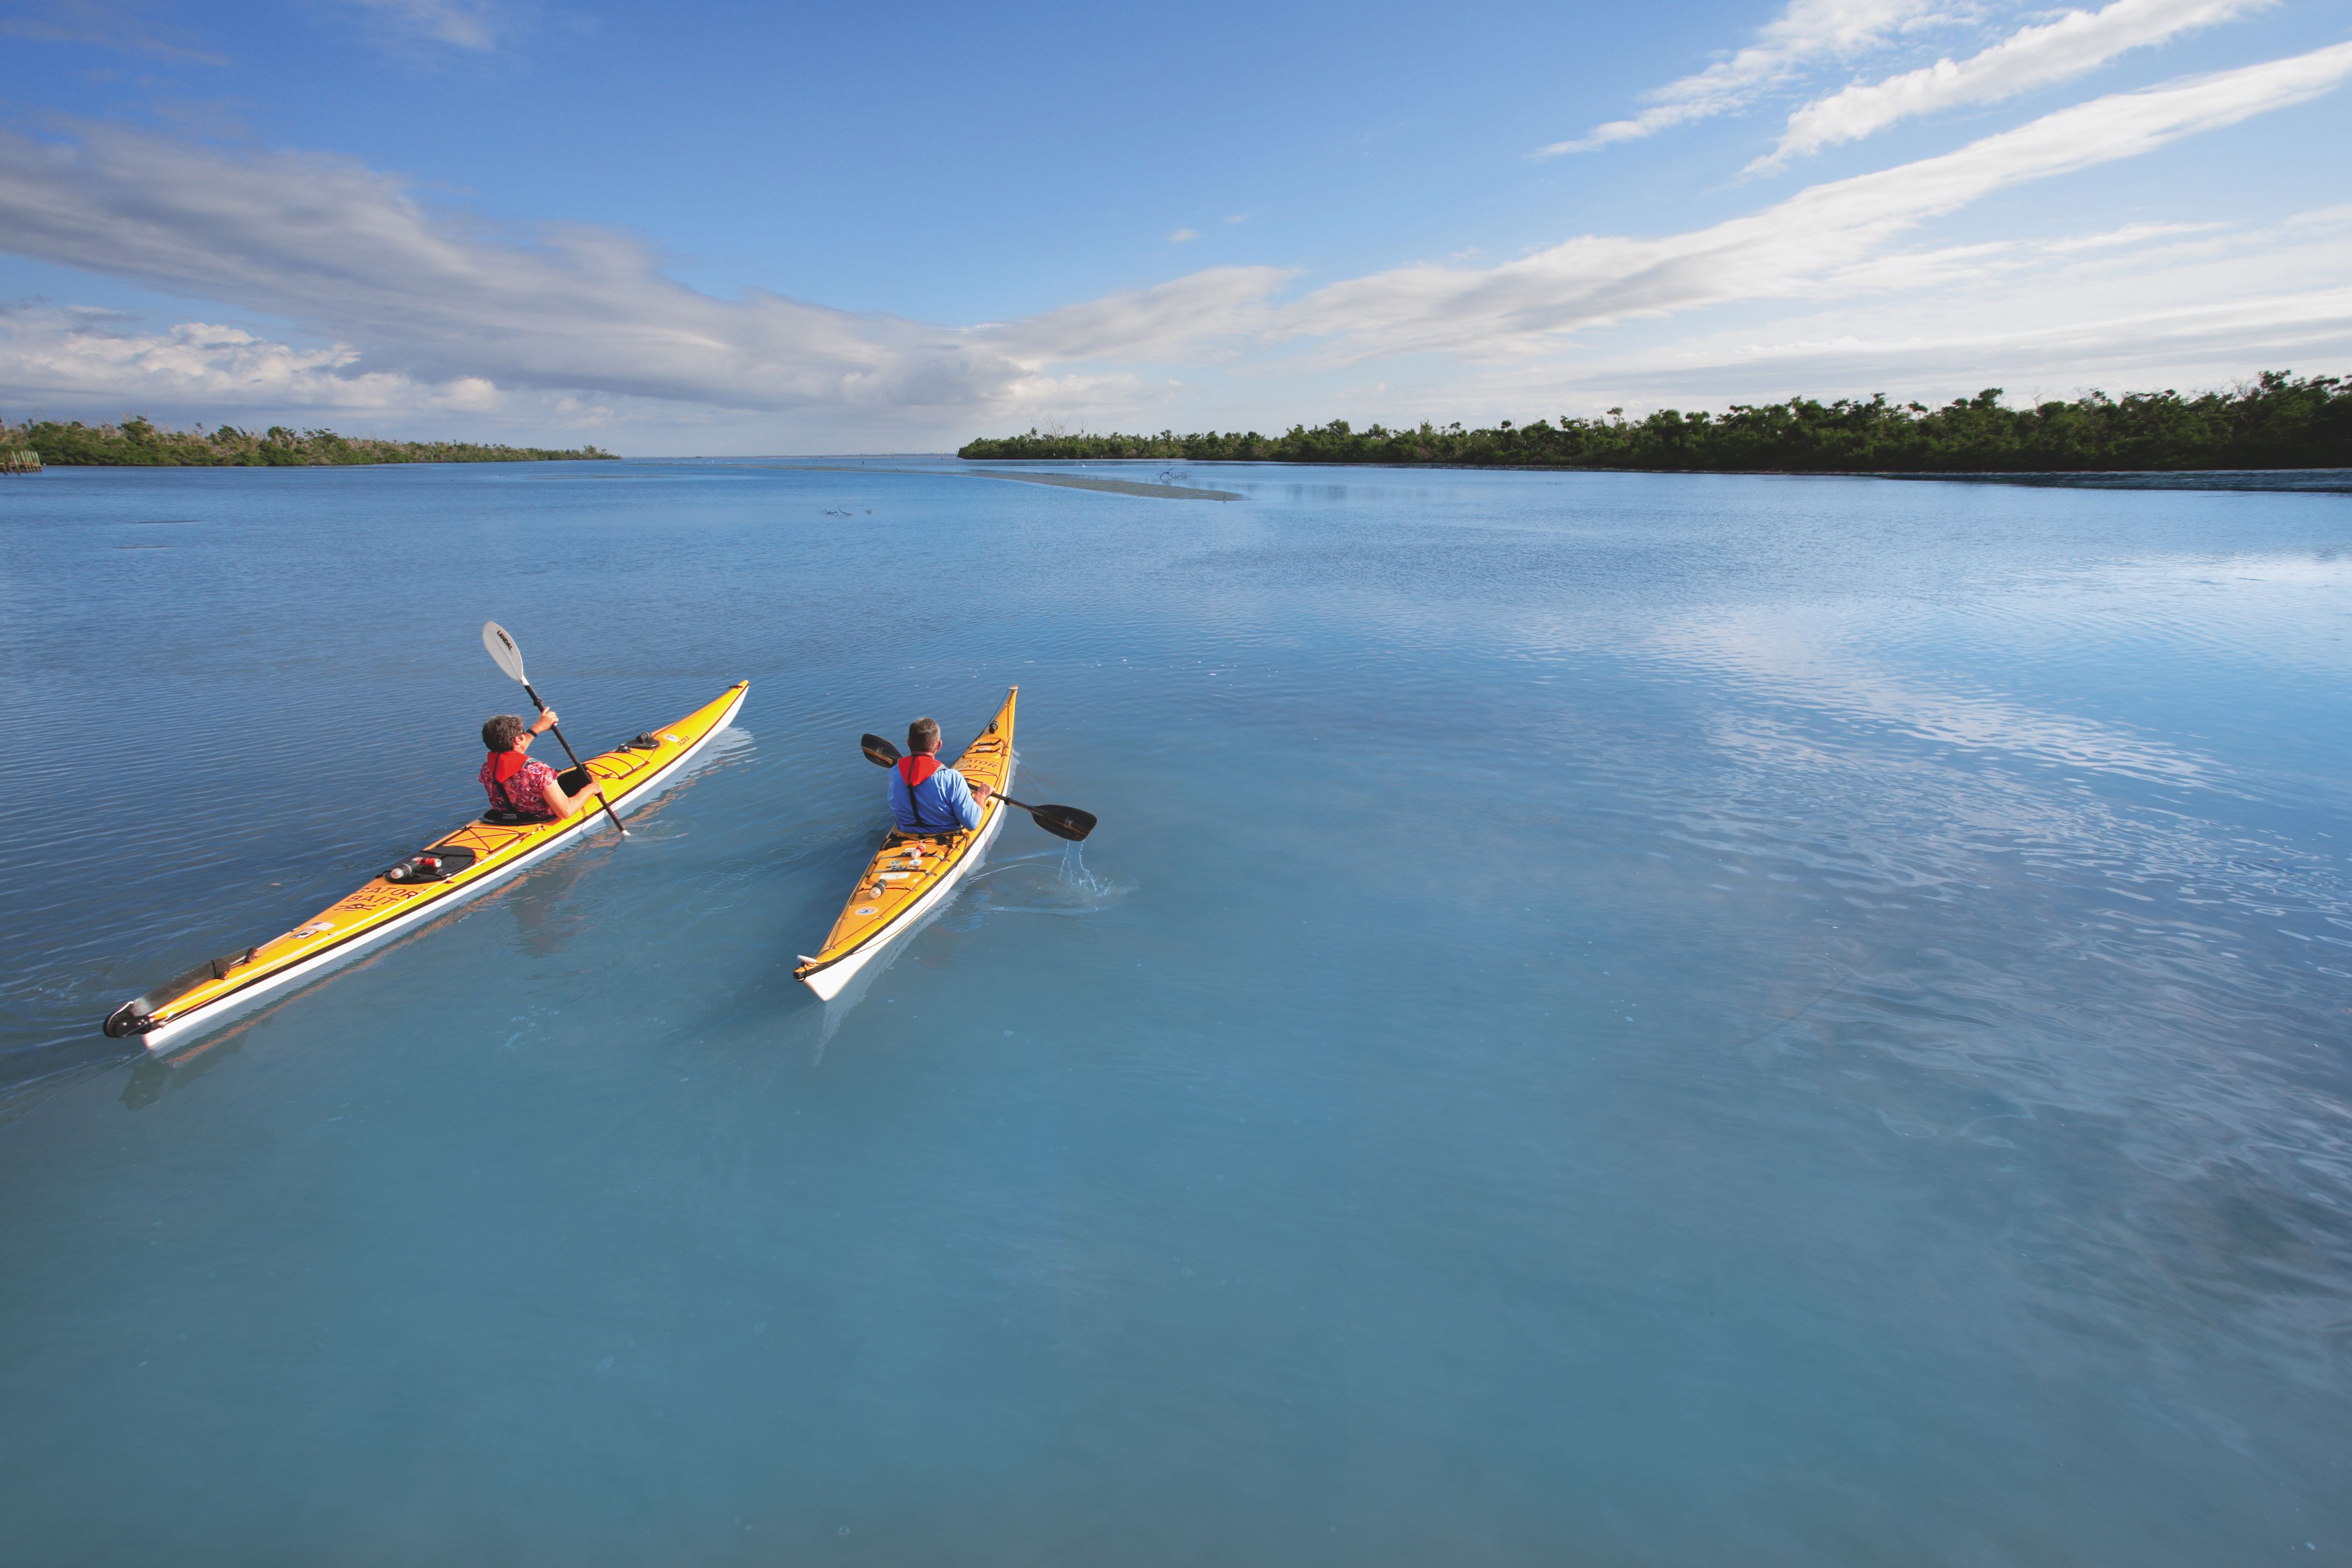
<point x="1061" y="821"/>
<point x="510" y="656"/>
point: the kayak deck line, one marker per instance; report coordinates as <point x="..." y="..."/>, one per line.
<point x="910" y="876"/>
<point x="483" y="852"/>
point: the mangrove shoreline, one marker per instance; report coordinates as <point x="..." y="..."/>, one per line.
<point x="138" y="442"/>
<point x="2277" y="421"/>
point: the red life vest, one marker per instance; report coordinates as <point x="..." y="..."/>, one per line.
<point x="504" y="766"/>
<point x="914" y="771"/>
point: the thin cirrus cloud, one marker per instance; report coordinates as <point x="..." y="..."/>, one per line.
<point x="347" y="252"/>
<point x="2047" y="342"/>
<point x="475" y="25"/>
<point x="108" y="24"/>
<point x="2040" y="56"/>
<point x="420" y="308"/>
<point x="1831" y="238"/>
<point x="1804" y="34"/>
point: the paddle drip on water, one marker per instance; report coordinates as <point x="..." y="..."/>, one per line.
<point x="1075" y="874"/>
<point x="1050" y="884"/>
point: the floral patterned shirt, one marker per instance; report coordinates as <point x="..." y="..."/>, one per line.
<point x="525" y="788"/>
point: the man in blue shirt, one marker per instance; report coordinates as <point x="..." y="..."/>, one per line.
<point x="927" y="798"/>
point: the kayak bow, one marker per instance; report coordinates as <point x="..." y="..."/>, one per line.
<point x="476" y="856"/>
<point x="912" y="876"/>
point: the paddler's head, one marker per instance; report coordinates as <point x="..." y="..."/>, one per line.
<point x="501" y="732"/>
<point x="923" y="737"/>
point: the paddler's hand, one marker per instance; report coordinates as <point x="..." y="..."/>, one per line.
<point x="980" y="794"/>
<point x="544" y="722"/>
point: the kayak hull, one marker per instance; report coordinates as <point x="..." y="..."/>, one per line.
<point x="379" y="910"/>
<point x="889" y="902"/>
<point x="834" y="978"/>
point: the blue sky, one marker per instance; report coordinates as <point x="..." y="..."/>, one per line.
<point x="771" y="229"/>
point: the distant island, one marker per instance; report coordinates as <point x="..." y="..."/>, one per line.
<point x="140" y="443"/>
<point x="2278" y="421"/>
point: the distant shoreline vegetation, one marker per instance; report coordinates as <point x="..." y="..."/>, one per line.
<point x="140" y="443"/>
<point x="2277" y="421"/>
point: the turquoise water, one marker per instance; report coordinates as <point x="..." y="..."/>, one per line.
<point x="1610" y="1018"/>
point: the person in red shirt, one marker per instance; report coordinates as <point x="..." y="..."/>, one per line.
<point x="514" y="783"/>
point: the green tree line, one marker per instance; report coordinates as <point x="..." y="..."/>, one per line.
<point x="2278" y="421"/>
<point x="140" y="443"/>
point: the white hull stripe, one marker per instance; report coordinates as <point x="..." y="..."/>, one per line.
<point x="213" y="1013"/>
<point x="828" y="981"/>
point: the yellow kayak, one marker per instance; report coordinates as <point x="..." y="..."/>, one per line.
<point x="912" y="876"/>
<point x="445" y="873"/>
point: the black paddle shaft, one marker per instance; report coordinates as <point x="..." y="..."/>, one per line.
<point x="556" y="730"/>
<point x="1061" y="821"/>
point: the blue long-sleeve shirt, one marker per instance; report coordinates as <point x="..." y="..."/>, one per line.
<point x="945" y="798"/>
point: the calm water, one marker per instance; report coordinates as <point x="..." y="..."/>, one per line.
<point x="1610" y="1019"/>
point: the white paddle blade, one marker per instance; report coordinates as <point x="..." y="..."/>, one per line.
<point x="502" y="648"/>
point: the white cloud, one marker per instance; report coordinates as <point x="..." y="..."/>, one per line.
<point x="107" y="25"/>
<point x="1830" y="238"/>
<point x="2130" y="234"/>
<point x="2076" y="43"/>
<point x="2195" y="308"/>
<point x="347" y="252"/>
<point x="1179" y="236"/>
<point x="418" y="300"/>
<point x="80" y="363"/>
<point x="462" y="23"/>
<point x="1208" y="311"/>
<point x="2049" y="353"/>
<point x="421" y="309"/>
<point x="1807" y="33"/>
<point x="76" y="355"/>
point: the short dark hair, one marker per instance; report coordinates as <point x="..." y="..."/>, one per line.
<point x="922" y="734"/>
<point x="500" y="733"/>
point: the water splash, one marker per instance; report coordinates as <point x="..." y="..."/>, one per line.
<point x="1074" y="873"/>
<point x="1044" y="884"/>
